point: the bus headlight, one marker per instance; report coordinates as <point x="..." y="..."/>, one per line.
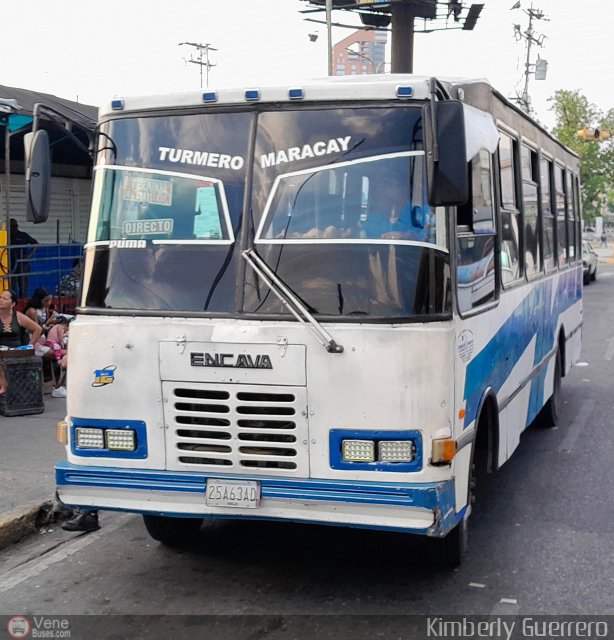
<point x="358" y="450"/>
<point x="396" y="451"/>
<point x="89" y="438"/>
<point x="120" y="439"/>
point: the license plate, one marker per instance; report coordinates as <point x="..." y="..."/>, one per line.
<point x="233" y="493"/>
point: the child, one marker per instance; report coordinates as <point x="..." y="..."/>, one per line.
<point x="57" y="340"/>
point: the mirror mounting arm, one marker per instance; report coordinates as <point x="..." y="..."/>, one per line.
<point x="433" y="102"/>
<point x="42" y="111"/>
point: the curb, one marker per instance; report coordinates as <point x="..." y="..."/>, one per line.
<point x="19" y="522"/>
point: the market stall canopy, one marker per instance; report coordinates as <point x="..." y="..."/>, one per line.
<point x="17" y="108"/>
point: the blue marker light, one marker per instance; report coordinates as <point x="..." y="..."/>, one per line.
<point x="117" y="105"/>
<point x="210" y="96"/>
<point x="296" y="94"/>
<point x="405" y="92"/>
<point x="252" y="95"/>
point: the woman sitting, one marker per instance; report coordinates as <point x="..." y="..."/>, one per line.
<point x="15" y="323"/>
<point x="38" y="309"/>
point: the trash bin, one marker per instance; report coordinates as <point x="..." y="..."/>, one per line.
<point x="24" y="377"/>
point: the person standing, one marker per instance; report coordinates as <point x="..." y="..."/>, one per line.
<point x="604" y="239"/>
<point x="23" y="246"/>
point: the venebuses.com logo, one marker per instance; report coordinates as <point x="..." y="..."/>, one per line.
<point x="18" y="627"/>
<point x="38" y="627"/>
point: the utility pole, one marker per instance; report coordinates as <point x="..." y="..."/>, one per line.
<point x="329" y="35"/>
<point x="402" y="48"/>
<point x="531" y="38"/>
<point x="437" y="15"/>
<point x="203" y="58"/>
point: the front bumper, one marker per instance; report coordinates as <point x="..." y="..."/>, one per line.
<point x="417" y="508"/>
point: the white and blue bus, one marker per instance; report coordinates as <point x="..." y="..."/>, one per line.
<point x="326" y="303"/>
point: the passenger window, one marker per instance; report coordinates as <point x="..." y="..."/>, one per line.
<point x="571" y="222"/>
<point x="510" y="247"/>
<point x="483" y="210"/>
<point x="476" y="271"/>
<point x="548" y="220"/>
<point x="529" y="171"/>
<point x="561" y="227"/>
<point x="506" y="172"/>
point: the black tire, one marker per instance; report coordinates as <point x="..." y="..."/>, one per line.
<point x="173" y="532"/>
<point x="549" y="416"/>
<point x="594" y="275"/>
<point x="586" y="278"/>
<point x="451" y="550"/>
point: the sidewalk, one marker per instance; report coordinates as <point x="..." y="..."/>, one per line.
<point x="28" y="451"/>
<point x="605" y="254"/>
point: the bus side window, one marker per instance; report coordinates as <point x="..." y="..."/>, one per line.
<point x="571" y="218"/>
<point x="510" y="215"/>
<point x="548" y="220"/>
<point x="475" y="273"/>
<point x="529" y="170"/>
<point x="478" y="213"/>
<point x="559" y="194"/>
<point x="577" y="215"/>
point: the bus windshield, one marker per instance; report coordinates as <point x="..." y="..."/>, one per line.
<point x="336" y="203"/>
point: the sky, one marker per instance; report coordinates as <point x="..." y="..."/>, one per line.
<point x="93" y="51"/>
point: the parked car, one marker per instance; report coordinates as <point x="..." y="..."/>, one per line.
<point x="589" y="262"/>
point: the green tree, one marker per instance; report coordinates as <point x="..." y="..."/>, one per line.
<point x="574" y="112"/>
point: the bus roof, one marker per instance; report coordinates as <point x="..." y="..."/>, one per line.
<point x="335" y="88"/>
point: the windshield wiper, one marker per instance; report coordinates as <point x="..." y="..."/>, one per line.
<point x="290" y="301"/>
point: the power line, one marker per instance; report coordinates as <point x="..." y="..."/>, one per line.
<point x="202" y="53"/>
<point x="531" y="38"/>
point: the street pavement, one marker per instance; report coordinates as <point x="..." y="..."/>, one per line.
<point x="28" y="451"/>
<point x="605" y="254"/>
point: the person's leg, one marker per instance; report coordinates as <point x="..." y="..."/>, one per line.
<point x="84" y="521"/>
<point x="60" y="381"/>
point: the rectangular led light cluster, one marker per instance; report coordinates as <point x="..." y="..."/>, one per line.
<point x="112" y="439"/>
<point x="387" y="450"/>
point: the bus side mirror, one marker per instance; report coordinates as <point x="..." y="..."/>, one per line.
<point x="38" y="175"/>
<point x="447" y="177"/>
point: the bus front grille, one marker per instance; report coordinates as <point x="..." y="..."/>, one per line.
<point x="245" y="429"/>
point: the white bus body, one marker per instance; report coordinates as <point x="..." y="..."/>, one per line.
<point x="236" y="409"/>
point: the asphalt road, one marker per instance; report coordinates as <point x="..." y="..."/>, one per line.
<point x="541" y="540"/>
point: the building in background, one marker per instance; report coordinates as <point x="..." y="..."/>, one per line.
<point x="360" y="53"/>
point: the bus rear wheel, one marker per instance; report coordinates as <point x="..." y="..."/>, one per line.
<point x="173" y="532"/>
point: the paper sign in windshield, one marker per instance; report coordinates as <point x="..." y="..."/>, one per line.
<point x="160" y="226"/>
<point x="207" y="223"/>
<point x="148" y="190"/>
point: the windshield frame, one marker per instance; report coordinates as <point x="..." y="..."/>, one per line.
<point x="259" y="239"/>
<point x="98" y="195"/>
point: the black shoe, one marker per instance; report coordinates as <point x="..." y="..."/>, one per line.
<point x="83" y="522"/>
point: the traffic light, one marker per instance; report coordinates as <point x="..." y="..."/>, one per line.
<point x="593" y="135"/>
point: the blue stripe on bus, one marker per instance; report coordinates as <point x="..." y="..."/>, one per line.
<point x="536" y="316"/>
<point x="431" y="495"/>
